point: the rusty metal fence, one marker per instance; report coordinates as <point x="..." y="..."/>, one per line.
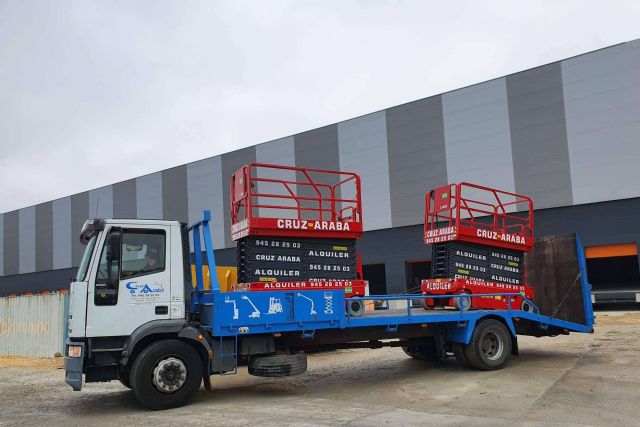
<point x="33" y="325"/>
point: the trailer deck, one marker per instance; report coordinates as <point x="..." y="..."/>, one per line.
<point x="246" y="313"/>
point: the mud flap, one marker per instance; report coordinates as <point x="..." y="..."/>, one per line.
<point x="514" y="346"/>
<point x="206" y="380"/>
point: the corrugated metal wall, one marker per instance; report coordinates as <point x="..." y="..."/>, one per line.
<point x="33" y="325"/>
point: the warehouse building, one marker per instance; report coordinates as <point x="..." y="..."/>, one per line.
<point x="566" y="134"/>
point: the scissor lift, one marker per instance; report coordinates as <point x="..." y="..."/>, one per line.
<point x="298" y="226"/>
<point x="484" y="219"/>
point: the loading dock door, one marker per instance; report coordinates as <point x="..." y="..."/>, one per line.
<point x="376" y="275"/>
<point x="614" y="272"/>
<point x="416" y="272"/>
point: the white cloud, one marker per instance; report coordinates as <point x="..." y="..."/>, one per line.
<point x="94" y="92"/>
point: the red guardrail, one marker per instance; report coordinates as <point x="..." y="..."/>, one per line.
<point x="274" y="200"/>
<point x="479" y="214"/>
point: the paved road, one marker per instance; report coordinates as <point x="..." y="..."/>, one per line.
<point x="579" y="379"/>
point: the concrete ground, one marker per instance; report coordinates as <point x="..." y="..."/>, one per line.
<point x="569" y="380"/>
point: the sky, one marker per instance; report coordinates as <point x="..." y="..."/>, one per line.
<point x="97" y="92"/>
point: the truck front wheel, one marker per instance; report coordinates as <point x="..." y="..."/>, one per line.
<point x="166" y="374"/>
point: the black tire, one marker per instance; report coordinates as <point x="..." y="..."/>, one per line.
<point x="411" y="354"/>
<point x="355" y="308"/>
<point x="490" y="345"/>
<point x="421" y="351"/>
<point x="458" y="353"/>
<point x="123" y="377"/>
<point x="278" y="365"/>
<point x="170" y="357"/>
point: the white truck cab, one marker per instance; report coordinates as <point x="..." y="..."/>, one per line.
<point x="132" y="271"/>
<point x="131" y="284"/>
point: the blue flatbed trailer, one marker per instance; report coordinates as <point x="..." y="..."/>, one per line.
<point x="317" y="319"/>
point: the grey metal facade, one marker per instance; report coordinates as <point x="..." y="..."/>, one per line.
<point x="417" y="160"/>
<point x="124" y="199"/>
<point x="566" y="133"/>
<point x="539" y="136"/>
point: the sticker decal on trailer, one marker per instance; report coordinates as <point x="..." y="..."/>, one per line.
<point x="328" y="303"/>
<point x="255" y="314"/>
<point x="312" y="310"/>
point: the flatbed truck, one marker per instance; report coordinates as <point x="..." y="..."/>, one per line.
<point x="139" y="320"/>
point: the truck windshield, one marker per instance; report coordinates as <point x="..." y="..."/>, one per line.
<point x="84" y="264"/>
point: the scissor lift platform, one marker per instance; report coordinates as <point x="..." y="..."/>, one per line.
<point x="478" y="214"/>
<point x="275" y="200"/>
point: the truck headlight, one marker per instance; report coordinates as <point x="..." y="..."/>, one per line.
<point x="74" y="351"/>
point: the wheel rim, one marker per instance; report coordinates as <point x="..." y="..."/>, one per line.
<point x="492" y="345"/>
<point x="169" y="375"/>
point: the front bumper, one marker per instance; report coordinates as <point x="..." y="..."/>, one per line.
<point x="73" y="366"/>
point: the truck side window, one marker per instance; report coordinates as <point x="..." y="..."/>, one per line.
<point x="143" y="252"/>
<point x="105" y="266"/>
<point x="107" y="280"/>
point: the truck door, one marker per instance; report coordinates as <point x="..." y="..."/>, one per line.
<point x="131" y="283"/>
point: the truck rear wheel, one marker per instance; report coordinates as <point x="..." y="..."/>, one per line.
<point x="278" y="365"/>
<point x="166" y="374"/>
<point x="490" y="345"/>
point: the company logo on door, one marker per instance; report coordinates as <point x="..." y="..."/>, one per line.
<point x="137" y="288"/>
<point x="140" y="292"/>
